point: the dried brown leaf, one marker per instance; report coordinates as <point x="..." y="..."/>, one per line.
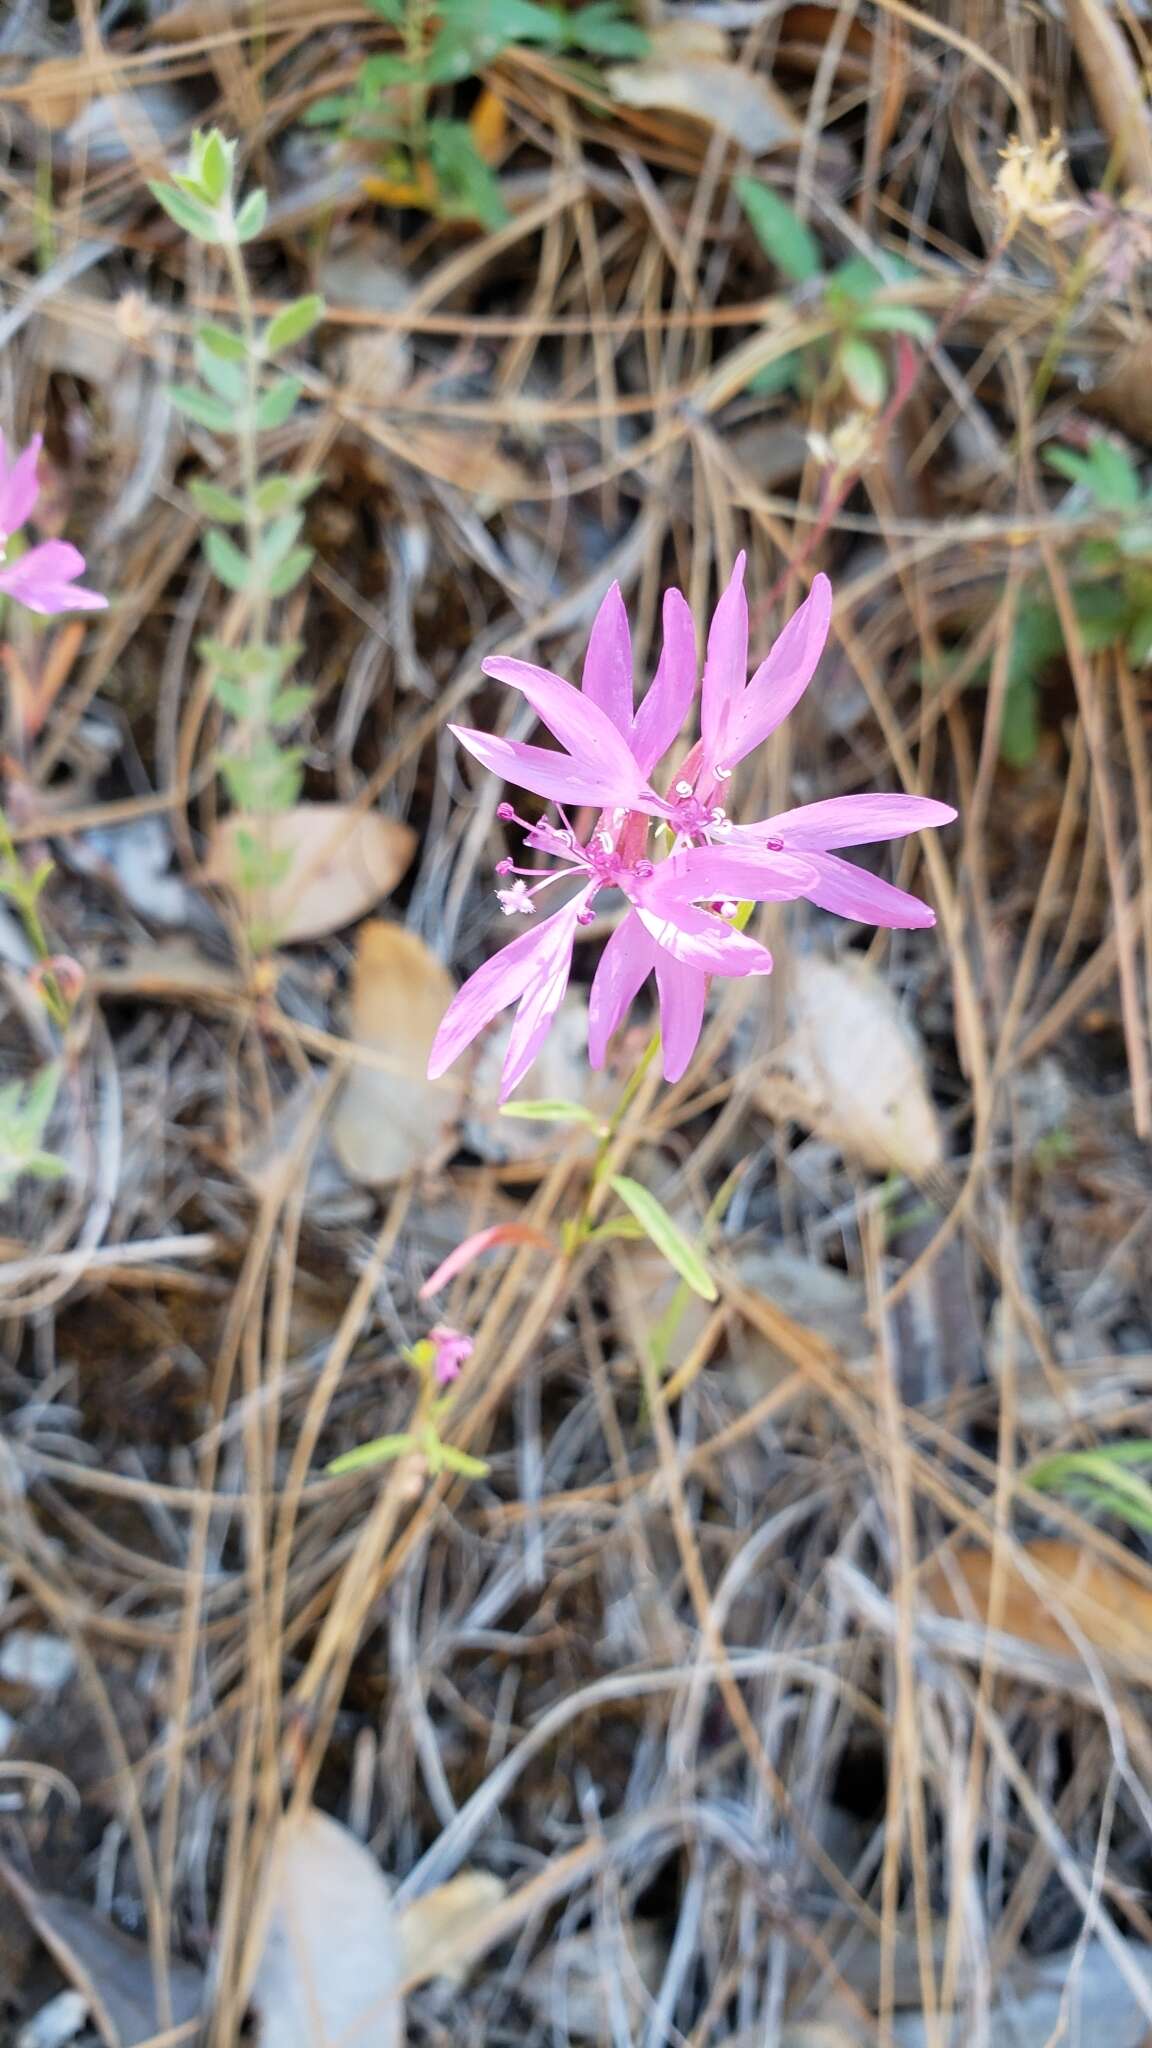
<point x="343" y="861"/>
<point x="852" y="1070"/>
<point x="442" y="1934"/>
<point x="112" y="1972"/>
<point x="1110" y="1609"/>
<point x="390" y="1118"/>
<point x="687" y="71"/>
<point x="330" y="1969"/>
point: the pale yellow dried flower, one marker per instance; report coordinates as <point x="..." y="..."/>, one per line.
<point x="137" y="319"/>
<point x="850" y="446"/>
<point x="1030" y="176"/>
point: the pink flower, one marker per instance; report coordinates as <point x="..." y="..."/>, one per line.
<point x="451" y="1348"/>
<point x="677" y="925"/>
<point x="44" y="577"/>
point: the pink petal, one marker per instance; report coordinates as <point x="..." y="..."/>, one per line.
<point x="739" y="871"/>
<point x="42" y="580"/>
<point x="19" y="485"/>
<point x="781" y="680"/>
<point x="607" y="677"/>
<point x="849" y="891"/>
<point x="543" y="996"/>
<point x="669" y="700"/>
<point x="701" y="940"/>
<point x="683" y="994"/>
<point x="852" y="820"/>
<point x="558" y="777"/>
<point x="725" y="667"/>
<point x="578" y="723"/>
<point x="501" y="980"/>
<point x="625" y="964"/>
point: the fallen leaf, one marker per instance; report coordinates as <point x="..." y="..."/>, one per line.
<point x="1078" y="1995"/>
<point x="687" y="71"/>
<point x="167" y="971"/>
<point x="342" y="861"/>
<point x="1108" y="1607"/>
<point x="112" y="1973"/>
<point x="331" y="1966"/>
<point x="852" y="1070"/>
<point x="441" y="1934"/>
<point x="390" y="1117"/>
<point x="576" y="1976"/>
<point x="821" y="1299"/>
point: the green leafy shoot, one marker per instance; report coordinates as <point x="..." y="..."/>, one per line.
<point x="666" y="1235"/>
<point x="1102" y="1481"/>
<point x="552" y="1111"/>
<point x="25" y="1110"/>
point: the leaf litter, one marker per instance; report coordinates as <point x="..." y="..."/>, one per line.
<point x="718" y="1685"/>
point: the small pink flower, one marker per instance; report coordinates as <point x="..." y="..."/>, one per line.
<point x="677" y="922"/>
<point x="451" y="1349"/>
<point x="44" y="577"/>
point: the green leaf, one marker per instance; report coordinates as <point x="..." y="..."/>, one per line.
<point x="1020" y="723"/>
<point x="896" y="320"/>
<point x="1135" y="541"/>
<point x="252" y="216"/>
<point x="784" y="373"/>
<point x="226" y="561"/>
<point x="190" y="215"/>
<point x="229" y="381"/>
<point x="205" y="410"/>
<point x="784" y="237"/>
<point x="232" y="696"/>
<point x="388" y="69"/>
<point x="215" y="503"/>
<point x="380" y="1451"/>
<point x="603" y="31"/>
<point x="222" y="341"/>
<point x="863" y="370"/>
<point x="1105" y="470"/>
<point x="1139" y="642"/>
<point x="459" y="1461"/>
<point x="214" y="166"/>
<point x="330" y="111"/>
<point x="552" y="1111"/>
<point x="293" y="323"/>
<point x="394" y="11"/>
<point x="291" y="569"/>
<point x="277" y="403"/>
<point x="280" y="493"/>
<point x="290" y="704"/>
<point x="469" y="190"/>
<point x="279" y="535"/>
<point x="666" y="1235"/>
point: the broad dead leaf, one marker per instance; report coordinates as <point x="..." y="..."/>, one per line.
<point x="442" y="1934"/>
<point x="112" y="1973"/>
<point x="688" y="71"/>
<point x="389" y="1116"/>
<point x="1104" y="1604"/>
<point x="343" y="861"/>
<point x="330" y="1969"/>
<point x="852" y="1070"/>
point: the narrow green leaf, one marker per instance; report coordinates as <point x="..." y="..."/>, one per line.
<point x="329" y="111"/>
<point x="666" y="1235"/>
<point x="380" y="1451"/>
<point x="784" y="373"/>
<point x="459" y="1461"/>
<point x="784" y="237"/>
<point x="291" y="704"/>
<point x="552" y="1111"/>
<point x="603" y="31"/>
<point x="252" y="216"/>
<point x="896" y="320"/>
<point x="221" y="341"/>
<point x="862" y="368"/>
<point x="293" y="323"/>
<point x="190" y="215"/>
<point x="215" y="503"/>
<point x="232" y="696"/>
<point x="291" y="569"/>
<point x="1139" y="642"/>
<point x="226" y="560"/>
<point x="377" y="74"/>
<point x="203" y="408"/>
<point x="469" y="189"/>
<point x="279" y="535"/>
<point x="277" y="403"/>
